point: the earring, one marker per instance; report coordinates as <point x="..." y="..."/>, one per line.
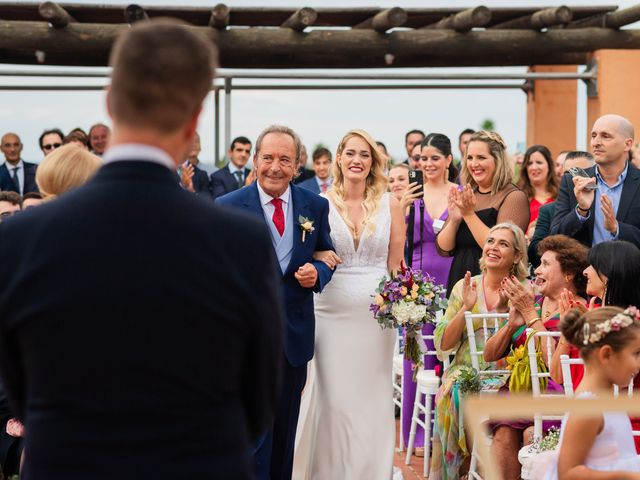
<point x="567" y="278"/>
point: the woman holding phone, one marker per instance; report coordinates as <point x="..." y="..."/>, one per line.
<point x="428" y="212"/>
<point x="488" y="197"/>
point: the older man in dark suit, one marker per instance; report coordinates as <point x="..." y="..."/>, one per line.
<point x="298" y="220"/>
<point x="141" y="356"/>
<point x="604" y="205"/>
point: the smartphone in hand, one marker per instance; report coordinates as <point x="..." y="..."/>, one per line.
<point x="416" y="176"/>
<point x="579" y="172"/>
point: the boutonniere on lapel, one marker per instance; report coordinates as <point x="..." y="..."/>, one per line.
<point x="306" y="225"/>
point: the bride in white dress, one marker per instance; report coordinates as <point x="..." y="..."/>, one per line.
<point x="346" y="428"/>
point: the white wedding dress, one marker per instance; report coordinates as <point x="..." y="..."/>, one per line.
<point x="346" y="428"/>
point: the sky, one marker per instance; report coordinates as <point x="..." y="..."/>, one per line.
<point x="318" y="116"/>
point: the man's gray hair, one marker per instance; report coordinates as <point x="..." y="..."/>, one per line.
<point x="283" y="130"/>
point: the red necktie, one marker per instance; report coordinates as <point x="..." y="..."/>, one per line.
<point x="323" y="187"/>
<point x="278" y="215"/>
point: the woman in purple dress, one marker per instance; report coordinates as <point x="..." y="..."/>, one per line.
<point x="426" y="216"/>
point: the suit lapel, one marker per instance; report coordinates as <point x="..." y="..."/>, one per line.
<point x="300" y="207"/>
<point x="629" y="190"/>
<point x="252" y="202"/>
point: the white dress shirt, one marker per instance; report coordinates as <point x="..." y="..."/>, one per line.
<point x="19" y="173"/>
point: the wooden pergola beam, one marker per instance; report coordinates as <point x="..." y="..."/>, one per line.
<point x="134" y="13"/>
<point x="616" y="19"/>
<point x="464" y="21"/>
<point x="89" y="44"/>
<point x="384" y="20"/>
<point x="55" y="14"/>
<point x="219" y="17"/>
<point x="300" y="19"/>
<point x="545" y="18"/>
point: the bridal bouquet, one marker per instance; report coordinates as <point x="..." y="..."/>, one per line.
<point x="409" y="299"/>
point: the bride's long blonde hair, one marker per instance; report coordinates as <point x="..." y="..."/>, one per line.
<point x="375" y="183"/>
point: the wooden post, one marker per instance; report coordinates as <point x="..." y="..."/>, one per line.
<point x="385" y="20"/>
<point x="55" y="14"/>
<point x="464" y="21"/>
<point x="219" y="17"/>
<point x="134" y="13"/>
<point x="617" y="87"/>
<point x="300" y="19"/>
<point x="552" y="110"/>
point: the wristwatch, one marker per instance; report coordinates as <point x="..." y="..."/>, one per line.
<point x="582" y="211"/>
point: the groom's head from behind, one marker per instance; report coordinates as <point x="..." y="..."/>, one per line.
<point x="277" y="158"/>
<point x="162" y="71"/>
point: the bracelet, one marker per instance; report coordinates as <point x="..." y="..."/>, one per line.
<point x="531" y="322"/>
<point x="584" y="210"/>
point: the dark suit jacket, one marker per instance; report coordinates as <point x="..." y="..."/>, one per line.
<point x="300" y="326"/>
<point x="6" y="182"/>
<point x="543" y="226"/>
<point x="310" y="184"/>
<point x="303" y="175"/>
<point x="566" y="221"/>
<point x="223" y="181"/>
<point x="153" y="347"/>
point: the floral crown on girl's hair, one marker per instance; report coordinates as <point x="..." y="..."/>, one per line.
<point x="614" y="324"/>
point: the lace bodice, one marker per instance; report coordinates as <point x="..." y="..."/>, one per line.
<point x="373" y="248"/>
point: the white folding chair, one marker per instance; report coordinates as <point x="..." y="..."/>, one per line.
<point x="490" y="324"/>
<point x="427" y="387"/>
<point x="427" y="384"/>
<point x="537" y="375"/>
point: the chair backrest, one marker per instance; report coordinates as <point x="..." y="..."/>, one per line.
<point x="547" y="348"/>
<point x="490" y="325"/>
<point x="567" y="381"/>
<point x="565" y="364"/>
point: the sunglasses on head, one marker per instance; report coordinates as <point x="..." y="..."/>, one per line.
<point x="49" y="146"/>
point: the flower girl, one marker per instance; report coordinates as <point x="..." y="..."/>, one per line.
<point x="600" y="447"/>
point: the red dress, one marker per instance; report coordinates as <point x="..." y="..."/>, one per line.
<point x="534" y="207"/>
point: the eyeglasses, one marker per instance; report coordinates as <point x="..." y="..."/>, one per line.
<point x="50" y="146"/>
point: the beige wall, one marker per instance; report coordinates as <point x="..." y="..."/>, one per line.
<point x="618" y="87"/>
<point x="551" y="110"/>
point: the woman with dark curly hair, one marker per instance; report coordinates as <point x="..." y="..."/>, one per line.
<point x="538" y="180"/>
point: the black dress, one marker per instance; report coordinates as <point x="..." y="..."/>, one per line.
<point x="508" y="205"/>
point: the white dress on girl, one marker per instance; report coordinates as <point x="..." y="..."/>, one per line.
<point x="613" y="448"/>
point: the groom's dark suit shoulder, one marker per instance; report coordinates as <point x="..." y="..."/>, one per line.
<point x="178" y="326"/>
<point x="153" y="347"/>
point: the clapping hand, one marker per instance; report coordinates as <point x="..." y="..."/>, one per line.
<point x="307" y="275"/>
<point x="410" y="194"/>
<point x="584" y="195"/>
<point x="568" y="301"/>
<point x="186" y="176"/>
<point x="329" y="257"/>
<point x="250" y="178"/>
<point x="610" y="222"/>
<point x="516" y="320"/>
<point x="521" y="298"/>
<point x="452" y="207"/>
<point x="465" y="200"/>
<point x="469" y="292"/>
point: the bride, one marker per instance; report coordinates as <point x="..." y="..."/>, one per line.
<point x="346" y="429"/>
